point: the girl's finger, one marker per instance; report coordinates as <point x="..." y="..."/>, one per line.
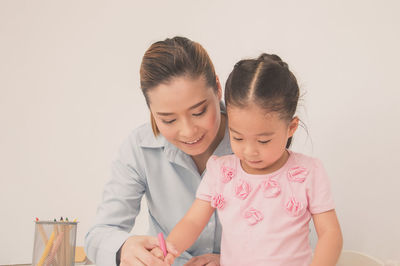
<point x="171" y="249"/>
<point x="169" y="259"/>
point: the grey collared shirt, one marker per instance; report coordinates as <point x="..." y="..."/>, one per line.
<point x="168" y="177"/>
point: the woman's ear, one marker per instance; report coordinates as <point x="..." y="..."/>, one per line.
<point x="219" y="88"/>
<point x="293" y="125"/>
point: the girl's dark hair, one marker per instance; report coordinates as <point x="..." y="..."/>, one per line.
<point x="265" y="81"/>
<point x="171" y="58"/>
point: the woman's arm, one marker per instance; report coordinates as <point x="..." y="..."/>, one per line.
<point x="190" y="226"/>
<point x="117" y="212"/>
<point x="330" y="239"/>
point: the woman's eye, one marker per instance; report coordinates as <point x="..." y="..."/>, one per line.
<point x="264" y="141"/>
<point x="168" y="121"/>
<point x="202" y="112"/>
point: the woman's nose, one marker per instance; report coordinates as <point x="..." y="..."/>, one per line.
<point x="188" y="128"/>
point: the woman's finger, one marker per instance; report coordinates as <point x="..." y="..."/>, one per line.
<point x="205" y="259"/>
<point x="148" y="258"/>
<point x="137" y="262"/>
<point x="158" y="253"/>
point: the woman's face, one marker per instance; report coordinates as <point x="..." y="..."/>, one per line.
<point x="187" y="113"/>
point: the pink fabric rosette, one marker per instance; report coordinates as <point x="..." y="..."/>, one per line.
<point x="218" y="201"/>
<point x="227" y="174"/>
<point x="294" y="207"/>
<point x="253" y="216"/>
<point x="271" y="188"/>
<point x="242" y="189"/>
<point x="297" y="174"/>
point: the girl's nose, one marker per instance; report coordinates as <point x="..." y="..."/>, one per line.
<point x="251" y="150"/>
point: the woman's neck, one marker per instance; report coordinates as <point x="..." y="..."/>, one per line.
<point x="201" y="159"/>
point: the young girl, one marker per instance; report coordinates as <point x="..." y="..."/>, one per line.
<point x="265" y="194"/>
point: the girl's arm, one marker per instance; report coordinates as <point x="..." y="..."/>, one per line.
<point x="330" y="239"/>
<point x="187" y="230"/>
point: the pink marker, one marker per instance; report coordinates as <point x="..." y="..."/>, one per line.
<point x="161" y="242"/>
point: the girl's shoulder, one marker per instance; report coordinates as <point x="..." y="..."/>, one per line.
<point x="225" y="160"/>
<point x="304" y="161"/>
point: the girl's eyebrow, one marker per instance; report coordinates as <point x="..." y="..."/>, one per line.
<point x="261" y="134"/>
<point x="266" y="134"/>
<point x="190" y="108"/>
<point x="237" y="132"/>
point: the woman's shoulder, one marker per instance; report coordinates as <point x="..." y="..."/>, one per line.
<point x="139" y="141"/>
<point x="143" y="136"/>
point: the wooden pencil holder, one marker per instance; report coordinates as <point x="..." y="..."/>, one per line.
<point x="54" y="243"/>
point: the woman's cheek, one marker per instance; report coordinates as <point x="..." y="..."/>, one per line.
<point x="166" y="131"/>
<point x="212" y="120"/>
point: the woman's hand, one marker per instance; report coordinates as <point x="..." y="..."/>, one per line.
<point x="204" y="260"/>
<point x="136" y="252"/>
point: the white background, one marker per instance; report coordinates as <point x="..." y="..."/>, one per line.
<point x="69" y="95"/>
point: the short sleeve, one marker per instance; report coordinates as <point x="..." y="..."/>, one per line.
<point x="319" y="192"/>
<point x="207" y="186"/>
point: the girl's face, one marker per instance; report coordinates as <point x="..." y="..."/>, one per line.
<point x="187" y="113"/>
<point x="259" y="138"/>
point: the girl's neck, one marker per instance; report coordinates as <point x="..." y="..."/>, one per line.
<point x="269" y="169"/>
<point x="201" y="159"/>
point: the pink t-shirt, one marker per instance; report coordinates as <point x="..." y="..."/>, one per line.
<point x="265" y="218"/>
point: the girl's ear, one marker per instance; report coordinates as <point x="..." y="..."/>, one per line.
<point x="293" y="126"/>
<point x="219" y="88"/>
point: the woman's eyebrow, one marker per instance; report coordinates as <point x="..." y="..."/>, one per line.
<point x="197" y="104"/>
<point x="190" y="108"/>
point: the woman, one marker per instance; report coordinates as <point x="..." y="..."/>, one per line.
<point x="165" y="159"/>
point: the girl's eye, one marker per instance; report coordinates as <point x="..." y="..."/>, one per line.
<point x="202" y="112"/>
<point x="168" y="121"/>
<point x="264" y="141"/>
<point x="237" y="139"/>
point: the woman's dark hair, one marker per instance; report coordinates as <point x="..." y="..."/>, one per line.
<point x="171" y="58"/>
<point x="265" y="81"/>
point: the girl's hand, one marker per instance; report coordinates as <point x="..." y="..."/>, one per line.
<point x="136" y="252"/>
<point x="205" y="259"/>
<point x="157" y="252"/>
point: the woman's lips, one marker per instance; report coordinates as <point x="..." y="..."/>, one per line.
<point x="193" y="141"/>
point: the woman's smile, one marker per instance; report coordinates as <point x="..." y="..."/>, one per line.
<point x="195" y="141"/>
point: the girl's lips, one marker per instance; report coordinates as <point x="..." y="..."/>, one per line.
<point x="254" y="162"/>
